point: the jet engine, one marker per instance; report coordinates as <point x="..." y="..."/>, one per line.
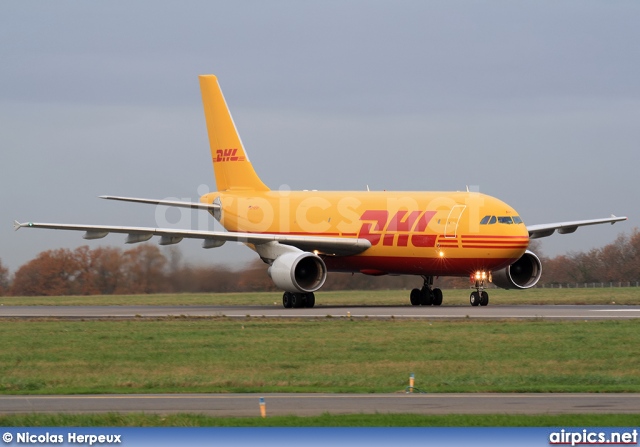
<point x="298" y="272"/>
<point x="522" y="274"/>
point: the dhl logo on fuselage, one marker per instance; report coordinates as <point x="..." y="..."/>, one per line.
<point x="227" y="155"/>
<point x="403" y="227"/>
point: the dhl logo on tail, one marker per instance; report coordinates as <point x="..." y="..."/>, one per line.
<point x="227" y="155"/>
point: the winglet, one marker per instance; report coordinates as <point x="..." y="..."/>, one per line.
<point x="17" y="225"/>
<point x="613" y="216"/>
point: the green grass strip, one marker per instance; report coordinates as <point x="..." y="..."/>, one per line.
<point x="259" y="355"/>
<point x="452" y="297"/>
<point x="325" y="420"/>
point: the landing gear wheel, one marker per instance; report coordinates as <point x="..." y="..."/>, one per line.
<point x="415" y="297"/>
<point x="426" y="297"/>
<point x="474" y="298"/>
<point x="297" y="300"/>
<point x="287" y="301"/>
<point x="484" y="298"/>
<point x="437" y="297"/>
<point x="310" y="300"/>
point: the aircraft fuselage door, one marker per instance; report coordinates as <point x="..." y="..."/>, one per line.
<point x="451" y="227"/>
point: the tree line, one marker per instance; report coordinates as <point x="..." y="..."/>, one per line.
<point x="146" y="269"/>
<point x="615" y="262"/>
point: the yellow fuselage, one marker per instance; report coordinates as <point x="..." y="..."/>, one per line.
<point x="424" y="233"/>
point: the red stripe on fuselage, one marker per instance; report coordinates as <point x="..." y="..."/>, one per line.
<point x="403" y="265"/>
<point x="493" y="246"/>
<point x="498" y="236"/>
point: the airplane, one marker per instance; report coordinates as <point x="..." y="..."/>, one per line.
<point x="303" y="235"/>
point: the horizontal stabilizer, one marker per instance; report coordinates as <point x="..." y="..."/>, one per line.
<point x="177" y="203"/>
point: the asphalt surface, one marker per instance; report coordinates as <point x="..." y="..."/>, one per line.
<point x="317" y="404"/>
<point x="549" y="312"/>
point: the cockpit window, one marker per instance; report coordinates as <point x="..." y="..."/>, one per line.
<point x="508" y="220"/>
<point x="488" y="220"/>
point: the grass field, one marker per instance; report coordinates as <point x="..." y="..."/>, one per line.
<point x="454" y="297"/>
<point x="320" y="355"/>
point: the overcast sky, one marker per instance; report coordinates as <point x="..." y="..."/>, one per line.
<point x="537" y="103"/>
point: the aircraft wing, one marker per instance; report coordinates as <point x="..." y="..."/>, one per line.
<point x="324" y="245"/>
<point x="544" y="230"/>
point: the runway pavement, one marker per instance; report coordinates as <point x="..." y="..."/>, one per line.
<point x="547" y="312"/>
<point x="317" y="404"/>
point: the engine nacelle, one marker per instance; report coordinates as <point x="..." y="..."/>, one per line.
<point x="522" y="274"/>
<point x="298" y="272"/>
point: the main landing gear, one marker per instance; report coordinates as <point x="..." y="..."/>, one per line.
<point x="297" y="300"/>
<point x="480" y="297"/>
<point x="426" y="296"/>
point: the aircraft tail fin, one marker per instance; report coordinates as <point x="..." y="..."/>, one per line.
<point x="231" y="164"/>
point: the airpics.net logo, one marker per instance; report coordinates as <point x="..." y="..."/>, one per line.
<point x="590" y="437"/>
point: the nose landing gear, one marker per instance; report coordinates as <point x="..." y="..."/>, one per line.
<point x="480" y="297"/>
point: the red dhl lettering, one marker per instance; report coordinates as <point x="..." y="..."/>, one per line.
<point x="398" y="230"/>
<point x="227" y="155"/>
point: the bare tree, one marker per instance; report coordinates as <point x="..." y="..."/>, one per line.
<point x="143" y="270"/>
<point x="51" y="273"/>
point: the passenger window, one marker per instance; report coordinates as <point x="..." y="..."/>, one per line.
<point x="485" y="220"/>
